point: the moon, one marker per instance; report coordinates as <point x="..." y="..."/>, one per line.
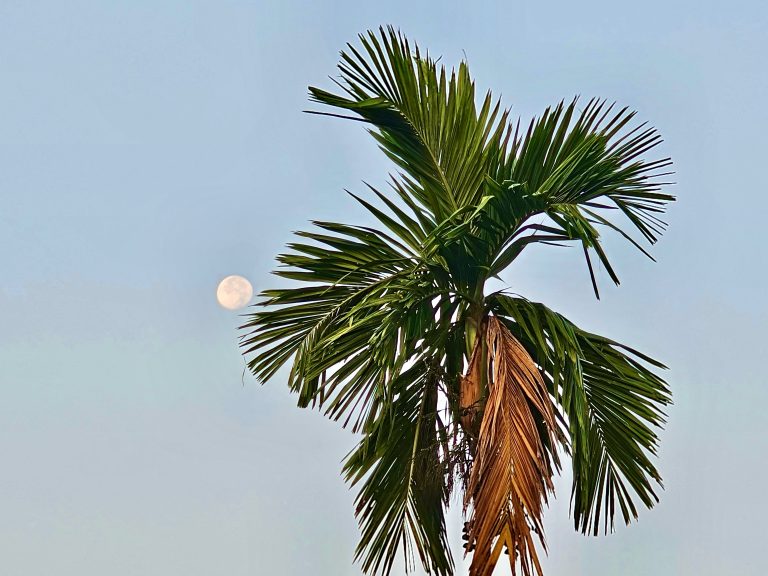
<point x="234" y="292"/>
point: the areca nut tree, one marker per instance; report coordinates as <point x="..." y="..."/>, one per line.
<point x="390" y="329"/>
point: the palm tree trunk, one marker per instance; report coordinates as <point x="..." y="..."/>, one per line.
<point x="473" y="388"/>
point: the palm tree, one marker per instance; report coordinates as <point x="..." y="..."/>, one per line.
<point x="390" y="330"/>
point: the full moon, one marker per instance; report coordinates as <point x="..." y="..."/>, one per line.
<point x="234" y="292"/>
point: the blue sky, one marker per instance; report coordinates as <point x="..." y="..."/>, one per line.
<point x="149" y="149"/>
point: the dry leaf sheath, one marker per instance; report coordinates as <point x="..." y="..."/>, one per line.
<point x="390" y="330"/>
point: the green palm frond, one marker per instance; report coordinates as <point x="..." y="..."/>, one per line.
<point x="403" y="491"/>
<point x="613" y="403"/>
<point x="425" y="120"/>
<point x="573" y="166"/>
<point x="578" y="167"/>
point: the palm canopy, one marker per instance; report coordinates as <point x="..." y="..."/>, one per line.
<point x="389" y="329"/>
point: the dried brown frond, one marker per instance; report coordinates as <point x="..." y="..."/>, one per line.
<point x="513" y="466"/>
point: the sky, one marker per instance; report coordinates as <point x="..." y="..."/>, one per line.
<point x="148" y="149"/>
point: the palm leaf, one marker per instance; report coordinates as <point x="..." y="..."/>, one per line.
<point x="424" y="120"/>
<point x="513" y="466"/>
<point x="613" y="405"/>
<point x="403" y="489"/>
<point x="577" y="168"/>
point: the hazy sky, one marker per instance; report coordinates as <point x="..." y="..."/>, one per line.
<point x="147" y="149"/>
